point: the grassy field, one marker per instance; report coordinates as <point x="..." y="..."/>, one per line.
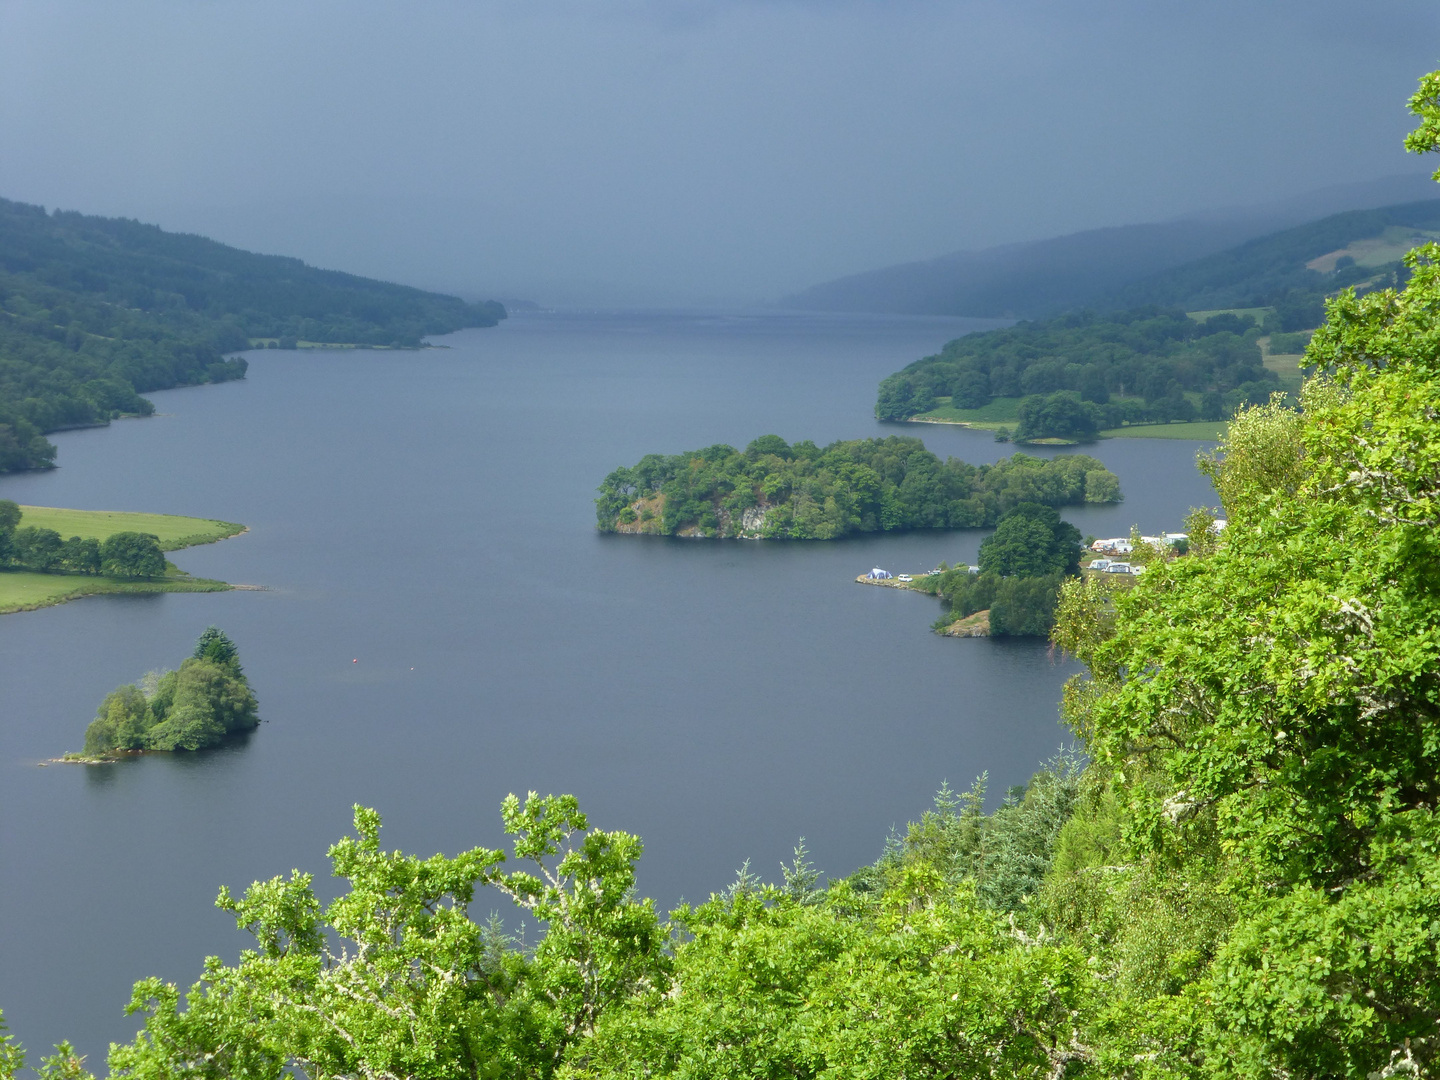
<point x="1390" y="246"/>
<point x="24" y="590"/>
<point x="21" y="590"/>
<point x="1258" y="313"/>
<point x="1286" y="365"/>
<point x="1206" y="430"/>
<point x="174" y="532"/>
<point x="1000" y="412"/>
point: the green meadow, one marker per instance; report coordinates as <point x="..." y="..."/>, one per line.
<point x="1206" y="430"/>
<point x="174" y="532"/>
<point x="25" y="590"/>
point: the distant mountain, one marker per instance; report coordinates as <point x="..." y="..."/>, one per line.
<point x="96" y="311"/>
<point x="1043" y="277"/>
<point x="1312" y="259"/>
<point x="1134" y="355"/>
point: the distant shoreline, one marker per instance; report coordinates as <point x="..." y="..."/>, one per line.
<point x="1200" y="430"/>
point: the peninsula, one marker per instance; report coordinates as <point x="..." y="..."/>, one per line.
<point x="775" y="490"/>
<point x="49" y="555"/>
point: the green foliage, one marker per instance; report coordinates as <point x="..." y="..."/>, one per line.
<point x="1024" y="606"/>
<point x="1268" y="711"/>
<point x="1061" y="415"/>
<point x="96" y="311"/>
<point x="12" y="1057"/>
<point x="1242" y="880"/>
<point x="1031" y="541"/>
<point x="197" y="706"/>
<point x="41" y="549"/>
<point x="37" y="548"/>
<point x="933" y="984"/>
<point x="394" y="978"/>
<point x="215" y="646"/>
<point x="132" y="554"/>
<point x="1262" y="452"/>
<point x="803" y="492"/>
<point x="1022" y="565"/>
<point x="1086" y="371"/>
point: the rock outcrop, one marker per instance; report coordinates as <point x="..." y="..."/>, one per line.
<point x="976" y="625"/>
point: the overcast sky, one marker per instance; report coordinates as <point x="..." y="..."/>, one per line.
<point x="683" y="150"/>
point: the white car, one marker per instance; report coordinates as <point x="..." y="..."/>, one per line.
<point x="906" y="577"/>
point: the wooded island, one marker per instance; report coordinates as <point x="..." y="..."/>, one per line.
<point x="775" y="490"/>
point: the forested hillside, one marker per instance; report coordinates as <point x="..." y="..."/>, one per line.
<point x="806" y="492"/>
<point x="1094" y="268"/>
<point x="1295" y="269"/>
<point x="1147" y="360"/>
<point x="1149" y="363"/>
<point x="97" y="311"/>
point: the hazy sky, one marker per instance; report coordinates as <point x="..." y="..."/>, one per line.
<point x="688" y="150"/>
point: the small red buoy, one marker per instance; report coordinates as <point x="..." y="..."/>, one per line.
<point x="356" y="660"/>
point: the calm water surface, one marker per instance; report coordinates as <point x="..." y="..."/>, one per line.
<point x="443" y="625"/>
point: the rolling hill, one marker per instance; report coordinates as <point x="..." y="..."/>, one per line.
<point x="96" y="311"/>
<point x="1094" y="268"/>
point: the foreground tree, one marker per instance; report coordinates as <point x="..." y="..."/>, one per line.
<point x="395" y="979"/>
<point x="1268" y="715"/>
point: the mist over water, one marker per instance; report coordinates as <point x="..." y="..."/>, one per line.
<point x="443" y="626"/>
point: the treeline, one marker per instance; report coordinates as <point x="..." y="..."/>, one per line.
<point x="202" y="703"/>
<point x="1148" y="362"/>
<point x="1129" y="367"/>
<point x="121" y="554"/>
<point x="805" y="492"/>
<point x="96" y="311"/>
<point x="1021" y="566"/>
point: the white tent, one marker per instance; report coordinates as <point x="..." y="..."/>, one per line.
<point x="877" y="574"/>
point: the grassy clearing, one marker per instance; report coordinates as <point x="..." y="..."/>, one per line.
<point x="1286" y="366"/>
<point x="175" y="532"/>
<point x="22" y="590"/>
<point x="1000" y="412"/>
<point x="1257" y="313"/>
<point x="1390" y="246"/>
<point x="1205" y="430"/>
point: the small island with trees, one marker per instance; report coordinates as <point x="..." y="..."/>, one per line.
<point x="776" y="490"/>
<point x="1014" y="589"/>
<point x="104" y="552"/>
<point x="201" y="704"/>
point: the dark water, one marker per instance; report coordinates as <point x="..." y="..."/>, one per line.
<point x="430" y="516"/>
